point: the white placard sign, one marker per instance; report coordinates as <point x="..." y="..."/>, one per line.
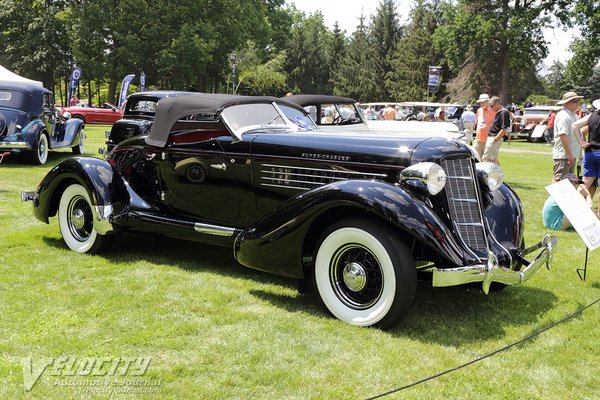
<point x="538" y="131"/>
<point x="574" y="207"/>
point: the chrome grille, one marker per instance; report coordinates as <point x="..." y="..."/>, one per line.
<point x="303" y="178"/>
<point x="465" y="211"/>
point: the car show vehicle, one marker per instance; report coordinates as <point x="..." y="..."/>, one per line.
<point x="30" y="125"/>
<point x="109" y="114"/>
<point x="342" y="113"/>
<point x="355" y="215"/>
<point x="138" y="116"/>
<point x="534" y="121"/>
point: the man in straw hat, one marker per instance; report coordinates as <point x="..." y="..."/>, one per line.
<point x="567" y="142"/>
<point x="485" y="117"/>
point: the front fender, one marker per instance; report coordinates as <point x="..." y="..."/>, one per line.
<point x="504" y="216"/>
<point x="275" y="242"/>
<point x="108" y="192"/>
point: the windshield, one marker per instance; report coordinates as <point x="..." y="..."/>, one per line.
<point x="11" y="99"/>
<point x="537" y="112"/>
<point x="244" y="117"/>
<point x="142" y="106"/>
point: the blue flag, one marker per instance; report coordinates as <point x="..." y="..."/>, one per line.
<point x="142" y="81"/>
<point x="125" y="89"/>
<point x="73" y="82"/>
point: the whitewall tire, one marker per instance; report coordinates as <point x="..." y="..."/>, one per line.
<point x="364" y="274"/>
<point x="76" y="221"/>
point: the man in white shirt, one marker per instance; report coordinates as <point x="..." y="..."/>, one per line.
<point x="567" y="145"/>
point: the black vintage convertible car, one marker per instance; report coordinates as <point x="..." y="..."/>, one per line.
<point x="357" y="214"/>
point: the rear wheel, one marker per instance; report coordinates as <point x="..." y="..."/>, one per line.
<point x="79" y="148"/>
<point x="76" y="221"/>
<point x="39" y="155"/>
<point x="364" y="274"/>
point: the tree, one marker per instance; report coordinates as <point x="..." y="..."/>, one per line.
<point x="484" y="41"/>
<point x="306" y="64"/>
<point x="586" y="50"/>
<point x="554" y="81"/>
<point x="356" y="76"/>
<point x="35" y="44"/>
<point x="336" y="51"/>
<point x="408" y="77"/>
<point x="384" y="34"/>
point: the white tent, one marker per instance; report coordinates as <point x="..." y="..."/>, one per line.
<point x="6" y="75"/>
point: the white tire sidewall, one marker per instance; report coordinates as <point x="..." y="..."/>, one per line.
<point x="70" y="240"/>
<point x="44" y="157"/>
<point x="327" y="249"/>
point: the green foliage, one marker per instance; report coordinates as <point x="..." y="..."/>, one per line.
<point x="586" y="50"/>
<point x="357" y="75"/>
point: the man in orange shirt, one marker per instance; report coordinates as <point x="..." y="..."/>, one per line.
<point x="484" y="118"/>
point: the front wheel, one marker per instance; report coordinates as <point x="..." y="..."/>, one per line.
<point x="364" y="274"/>
<point x="76" y="221"/>
<point x="39" y="156"/>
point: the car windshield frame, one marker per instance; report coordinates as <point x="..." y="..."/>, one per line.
<point x="243" y="118"/>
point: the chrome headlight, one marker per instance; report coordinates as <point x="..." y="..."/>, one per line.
<point x="427" y="174"/>
<point x="66" y="115"/>
<point x="491" y="173"/>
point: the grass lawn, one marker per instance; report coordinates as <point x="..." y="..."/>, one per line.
<point x="214" y="329"/>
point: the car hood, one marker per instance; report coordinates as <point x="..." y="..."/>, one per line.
<point x="10" y="118"/>
<point x="369" y="148"/>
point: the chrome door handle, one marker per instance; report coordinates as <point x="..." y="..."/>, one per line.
<point x="222" y="166"/>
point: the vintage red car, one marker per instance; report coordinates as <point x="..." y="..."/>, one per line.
<point x="108" y="114"/>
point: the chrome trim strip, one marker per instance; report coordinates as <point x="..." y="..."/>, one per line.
<point x="304" y="175"/>
<point x="292" y="180"/>
<point x="213" y="229"/>
<point x="326" y="170"/>
<point x="14" y="145"/>
<point x="284" y="186"/>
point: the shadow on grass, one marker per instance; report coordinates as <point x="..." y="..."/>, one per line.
<point x="186" y="255"/>
<point x="447" y="316"/>
<point x="15" y="161"/>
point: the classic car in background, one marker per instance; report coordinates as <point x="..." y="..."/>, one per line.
<point x="534" y="122"/>
<point x="138" y="116"/>
<point x="30" y="125"/>
<point x="108" y="114"/>
<point x="356" y="214"/>
<point x="342" y="113"/>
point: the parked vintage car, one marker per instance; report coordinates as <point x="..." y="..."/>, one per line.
<point x="357" y="214"/>
<point x="109" y="114"/>
<point x="138" y="116"/>
<point x="30" y="125"/>
<point x="534" y="121"/>
<point x="342" y="113"/>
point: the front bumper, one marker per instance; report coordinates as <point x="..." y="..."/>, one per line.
<point x="492" y="272"/>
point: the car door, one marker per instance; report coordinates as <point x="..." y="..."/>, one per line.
<point x="198" y="181"/>
<point x="49" y="115"/>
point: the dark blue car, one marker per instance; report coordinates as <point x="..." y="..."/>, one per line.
<point x="29" y="123"/>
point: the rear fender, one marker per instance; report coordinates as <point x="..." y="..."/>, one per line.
<point x="73" y="130"/>
<point x="275" y="243"/>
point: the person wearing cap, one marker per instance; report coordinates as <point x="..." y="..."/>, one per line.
<point x="484" y="118"/>
<point x="552" y="216"/>
<point x="497" y="131"/>
<point x="567" y="143"/>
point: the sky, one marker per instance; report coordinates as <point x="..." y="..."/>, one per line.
<point x="347" y="12"/>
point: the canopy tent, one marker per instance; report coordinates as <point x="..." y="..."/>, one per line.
<point x="6" y="75"/>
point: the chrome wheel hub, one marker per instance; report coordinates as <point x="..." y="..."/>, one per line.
<point x="78" y="218"/>
<point x="355" y="276"/>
